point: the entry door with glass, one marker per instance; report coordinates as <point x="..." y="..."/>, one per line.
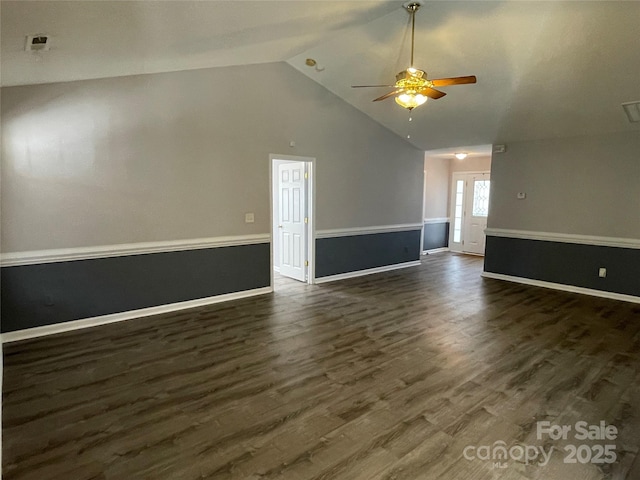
<point x="469" y="212"/>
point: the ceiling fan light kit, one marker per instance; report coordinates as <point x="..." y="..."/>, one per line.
<point x="410" y="100"/>
<point x="412" y="87"/>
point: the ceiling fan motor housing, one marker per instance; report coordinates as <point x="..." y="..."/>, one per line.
<point x="412" y="80"/>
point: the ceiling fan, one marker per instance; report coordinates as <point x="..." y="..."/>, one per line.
<point x="412" y="87"/>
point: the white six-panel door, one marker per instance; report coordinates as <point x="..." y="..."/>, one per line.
<point x="292" y="215"/>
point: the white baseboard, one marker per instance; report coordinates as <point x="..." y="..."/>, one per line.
<point x="129" y="315"/>
<point x="360" y="273"/>
<point x="563" y="287"/>
<point x="435" y="250"/>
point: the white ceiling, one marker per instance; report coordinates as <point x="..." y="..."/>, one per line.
<point x="545" y="68"/>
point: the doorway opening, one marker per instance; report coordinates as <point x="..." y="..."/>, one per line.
<point x="292" y="219"/>
<point x="442" y="222"/>
<point x="469" y="211"/>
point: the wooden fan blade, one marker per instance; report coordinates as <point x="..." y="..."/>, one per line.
<point x="444" y="82"/>
<point x="387" y="95"/>
<point x="432" y="93"/>
<point x="371" y="86"/>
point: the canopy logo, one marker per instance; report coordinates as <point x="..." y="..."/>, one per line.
<point x="591" y="452"/>
<point x="499" y="454"/>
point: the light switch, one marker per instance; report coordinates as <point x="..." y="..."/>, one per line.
<point x="249" y="218"/>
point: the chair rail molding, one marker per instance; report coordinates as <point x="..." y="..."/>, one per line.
<point x="565" y="238"/>
<point x="437" y="220"/>
<point x="347" y="232"/>
<point x="35" y="257"/>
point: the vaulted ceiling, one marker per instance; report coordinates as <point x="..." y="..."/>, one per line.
<point x="545" y="68"/>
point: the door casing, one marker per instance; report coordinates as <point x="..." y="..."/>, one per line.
<point x="274" y="160"/>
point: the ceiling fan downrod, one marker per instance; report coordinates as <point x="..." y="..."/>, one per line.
<point x="412" y="8"/>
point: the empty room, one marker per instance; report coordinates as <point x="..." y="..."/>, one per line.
<point x="304" y="240"/>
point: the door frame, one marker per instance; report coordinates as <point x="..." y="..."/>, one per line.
<point x="452" y="205"/>
<point x="422" y="219"/>
<point x="310" y="167"/>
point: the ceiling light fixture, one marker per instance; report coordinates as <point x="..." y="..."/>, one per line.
<point x="410" y="100"/>
<point x="410" y="83"/>
<point x="310" y="62"/>
<point x="461" y="156"/>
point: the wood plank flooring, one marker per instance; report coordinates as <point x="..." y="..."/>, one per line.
<point x="388" y="376"/>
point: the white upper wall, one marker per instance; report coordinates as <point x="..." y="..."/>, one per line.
<point x="186" y="154"/>
<point x="436" y="190"/>
<point x="583" y="185"/>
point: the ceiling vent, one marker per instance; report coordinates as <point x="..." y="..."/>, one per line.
<point x="38" y="43"/>
<point x="632" y="109"/>
<point x="499" y="149"/>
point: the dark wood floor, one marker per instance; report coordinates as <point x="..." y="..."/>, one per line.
<point x="387" y="376"/>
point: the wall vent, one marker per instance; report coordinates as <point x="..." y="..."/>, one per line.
<point x="38" y="43"/>
<point x="632" y="109"/>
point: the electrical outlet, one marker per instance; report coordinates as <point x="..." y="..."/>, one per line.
<point x="602" y="273"/>
<point x="249" y="218"/>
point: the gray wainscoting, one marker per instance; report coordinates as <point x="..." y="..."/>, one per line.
<point x="353" y="253"/>
<point x="45" y="294"/>
<point x="436" y="235"/>
<point x="565" y="263"/>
